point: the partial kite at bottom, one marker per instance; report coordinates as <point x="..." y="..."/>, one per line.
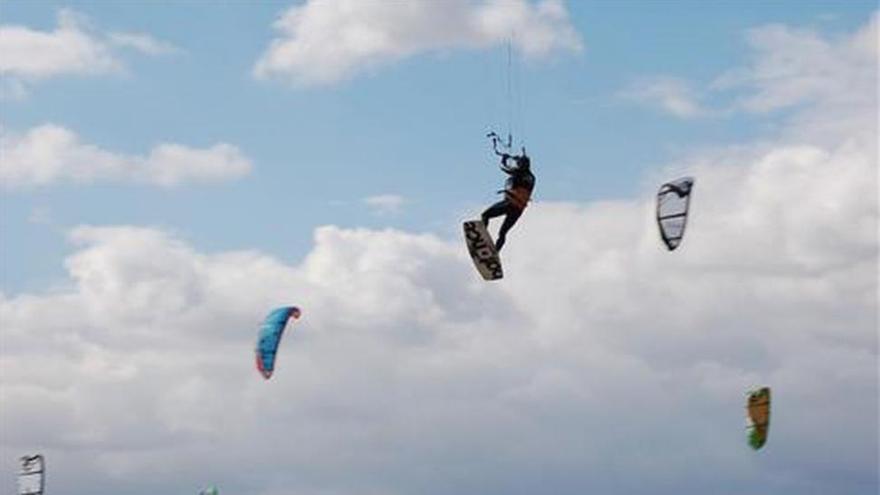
<point x="758" y="408"/>
<point x="270" y="336"/>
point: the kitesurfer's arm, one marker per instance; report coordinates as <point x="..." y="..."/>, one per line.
<point x="507" y="167"/>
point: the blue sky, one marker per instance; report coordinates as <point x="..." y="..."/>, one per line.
<point x="170" y="172"/>
<point x="413" y="129"/>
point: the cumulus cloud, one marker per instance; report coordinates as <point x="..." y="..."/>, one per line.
<point x="141" y="365"/>
<point x="672" y="95"/>
<point x="384" y="204"/>
<point x="49" y="153"/>
<point x="793" y="66"/>
<point x="323" y="42"/>
<point x="789" y="67"/>
<point x="601" y="363"/>
<point x="74" y="47"/>
<point x="143" y="43"/>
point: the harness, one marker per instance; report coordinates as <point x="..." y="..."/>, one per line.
<point x="518" y="196"/>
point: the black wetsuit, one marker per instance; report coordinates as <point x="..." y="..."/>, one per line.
<point x="517" y="192"/>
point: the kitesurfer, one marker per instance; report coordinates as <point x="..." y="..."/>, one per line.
<point x="517" y="191"/>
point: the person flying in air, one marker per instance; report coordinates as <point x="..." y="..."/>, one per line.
<point x="517" y="191"/>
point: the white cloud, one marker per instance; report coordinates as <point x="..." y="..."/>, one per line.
<point x="672" y="95"/>
<point x="404" y="358"/>
<point x="324" y="42"/>
<point x="49" y="153"/>
<point x="795" y="66"/>
<point x="143" y="43"/>
<point x="790" y="67"/>
<point x="385" y="204"/>
<point x="70" y="49"/>
<point x="73" y="48"/>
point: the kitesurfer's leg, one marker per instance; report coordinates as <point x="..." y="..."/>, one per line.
<point x="513" y="215"/>
<point x="496" y="210"/>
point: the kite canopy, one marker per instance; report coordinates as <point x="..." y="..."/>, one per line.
<point x="211" y="490"/>
<point x="758" y="407"/>
<point x="270" y="336"/>
<point x="32" y="476"/>
<point x="673" y="200"/>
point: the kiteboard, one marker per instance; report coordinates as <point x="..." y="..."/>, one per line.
<point x="482" y="250"/>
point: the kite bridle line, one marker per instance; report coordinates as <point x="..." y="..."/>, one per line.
<point x="505" y="145"/>
<point x="509" y="90"/>
<point x="516" y="93"/>
<point x="513" y="103"/>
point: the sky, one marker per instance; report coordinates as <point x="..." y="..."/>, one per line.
<point x="170" y="172"/>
